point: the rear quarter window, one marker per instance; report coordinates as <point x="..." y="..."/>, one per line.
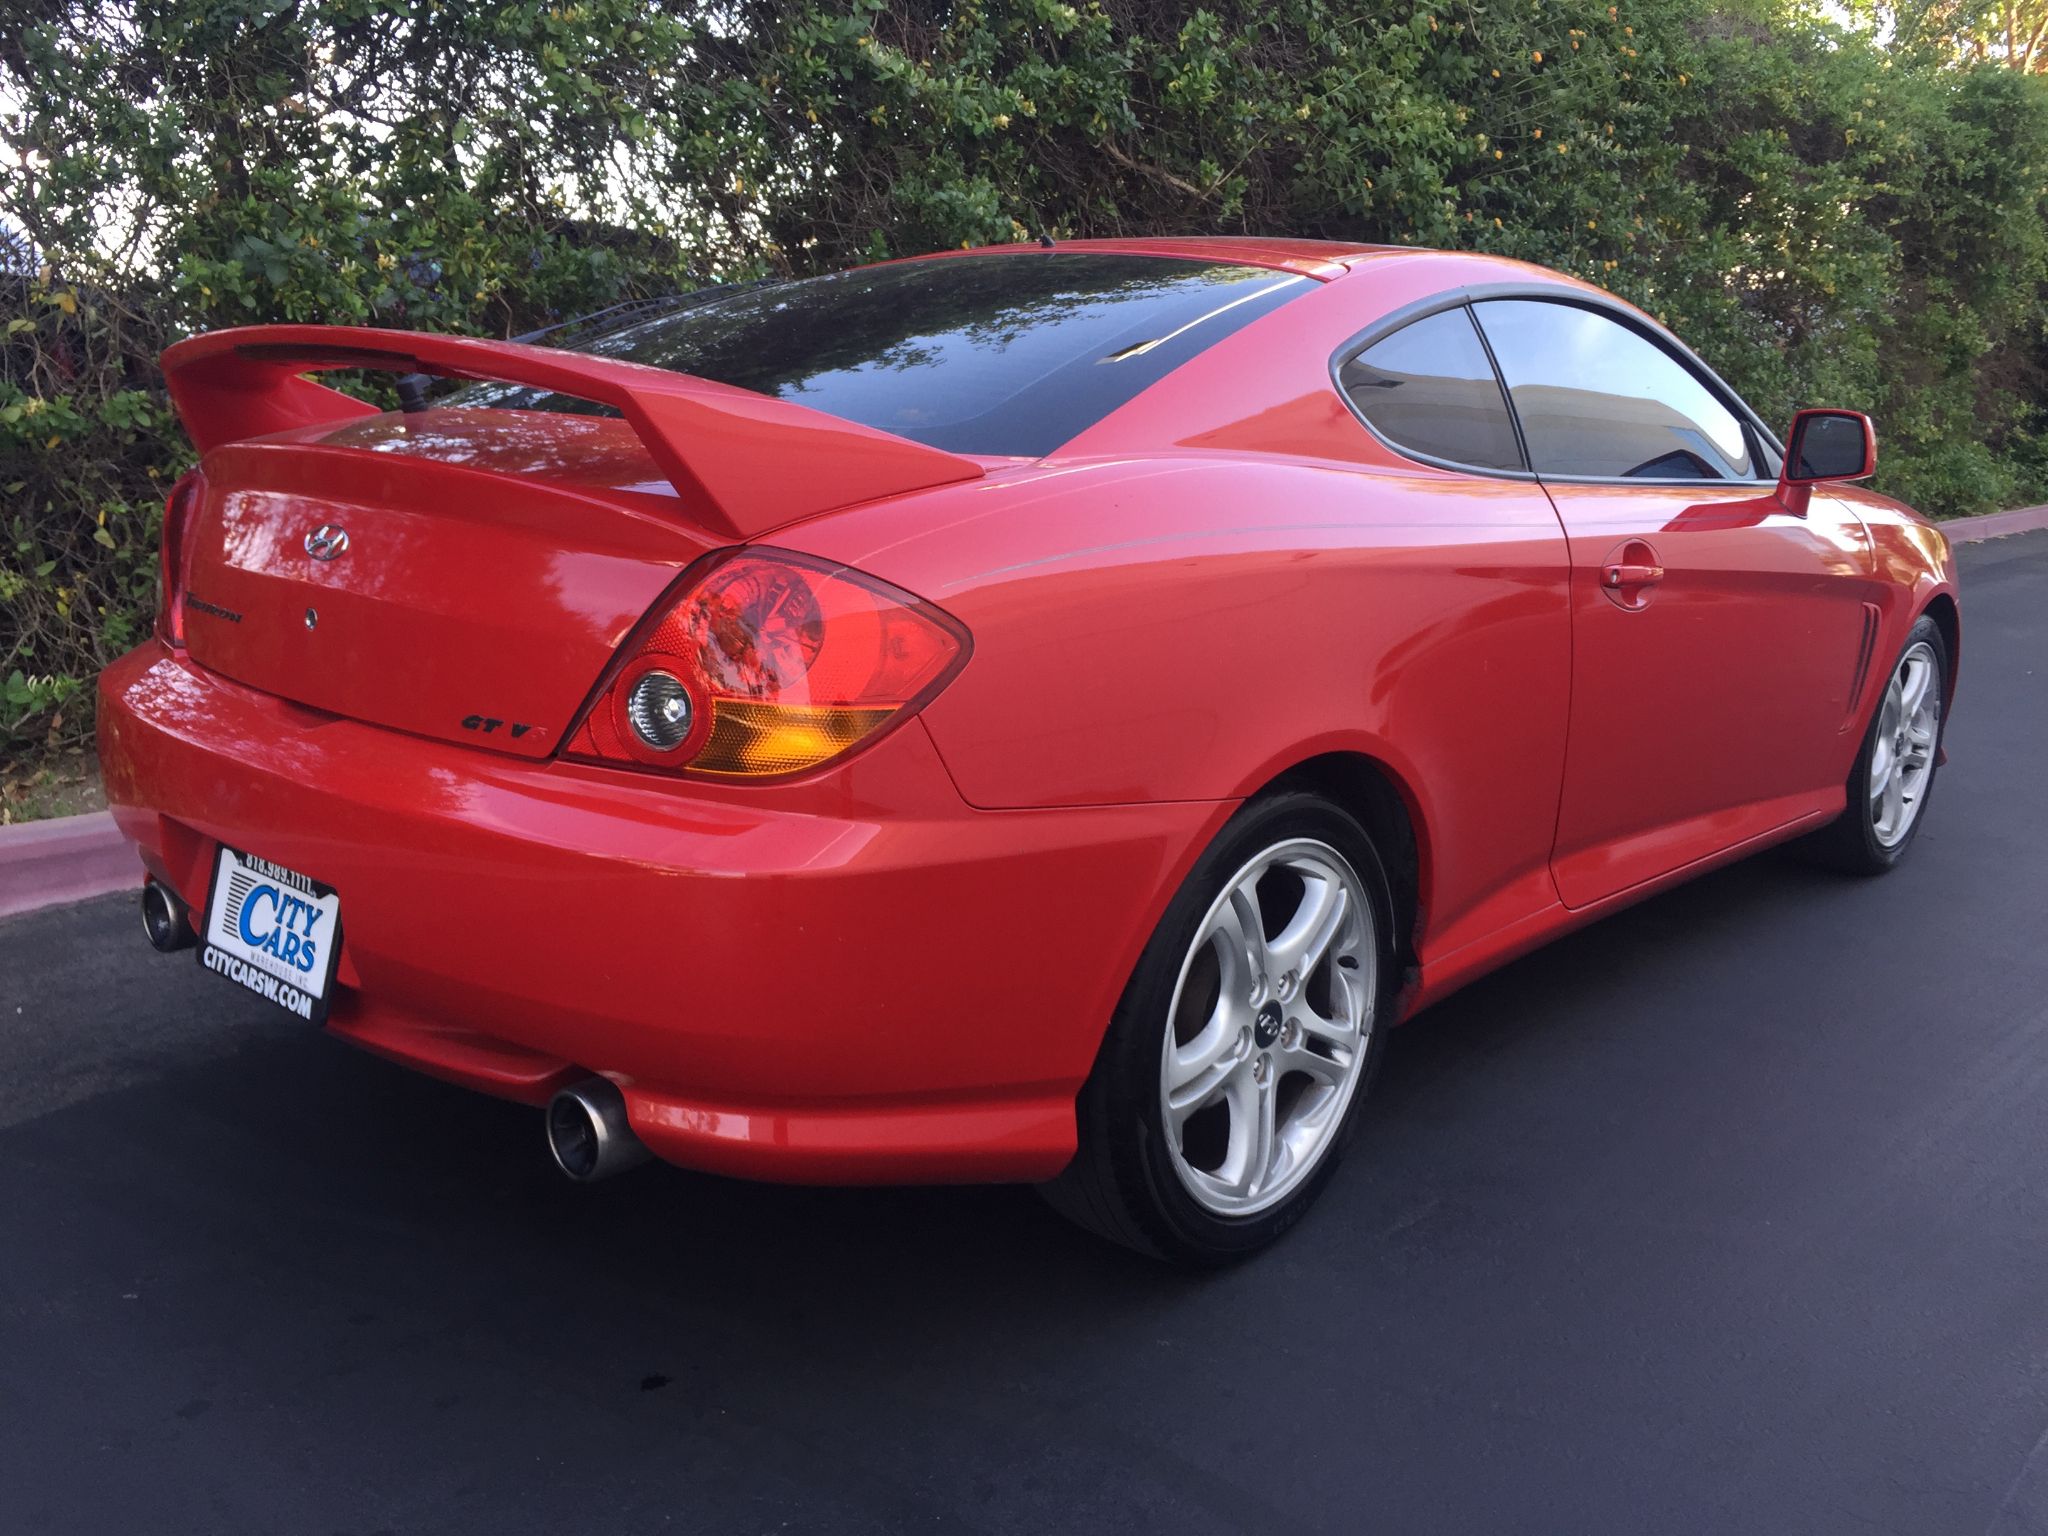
<point x="1430" y="389"/>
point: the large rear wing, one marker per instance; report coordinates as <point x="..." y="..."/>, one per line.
<point x="743" y="462"/>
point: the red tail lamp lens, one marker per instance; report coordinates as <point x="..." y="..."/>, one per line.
<point x="181" y="510"/>
<point x="786" y="662"/>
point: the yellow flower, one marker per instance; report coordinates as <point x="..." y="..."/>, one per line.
<point x="1496" y="154"/>
<point x="1539" y="133"/>
<point x="1496" y="74"/>
<point x="1537" y="55"/>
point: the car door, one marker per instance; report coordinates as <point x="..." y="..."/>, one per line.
<point x="1471" y="648"/>
<point x="1717" y="637"/>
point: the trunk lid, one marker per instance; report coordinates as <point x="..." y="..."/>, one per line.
<point x="492" y="563"/>
<point x="467" y="573"/>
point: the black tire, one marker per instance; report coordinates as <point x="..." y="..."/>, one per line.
<point x="1121" y="1183"/>
<point x="1850" y="843"/>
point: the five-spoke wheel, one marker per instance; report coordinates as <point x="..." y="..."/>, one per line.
<point x="1908" y="730"/>
<point x="1267" y="1028"/>
<point x="1230" y="1075"/>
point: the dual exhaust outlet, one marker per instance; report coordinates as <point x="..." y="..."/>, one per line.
<point x="589" y="1134"/>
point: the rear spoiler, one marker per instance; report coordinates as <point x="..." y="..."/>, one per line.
<point x="745" y="462"/>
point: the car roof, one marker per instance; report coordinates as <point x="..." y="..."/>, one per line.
<point x="1310" y="258"/>
<point x="1321" y="259"/>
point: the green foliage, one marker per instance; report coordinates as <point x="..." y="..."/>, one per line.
<point x="85" y="442"/>
<point x="1827" y="222"/>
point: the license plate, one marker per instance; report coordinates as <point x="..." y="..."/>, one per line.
<point x="273" y="931"/>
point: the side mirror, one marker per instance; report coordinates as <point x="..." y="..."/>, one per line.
<point x="1825" y="446"/>
<point x="1830" y="445"/>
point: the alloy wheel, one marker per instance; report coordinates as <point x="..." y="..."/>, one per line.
<point x="1266" y="1036"/>
<point x="1908" y="732"/>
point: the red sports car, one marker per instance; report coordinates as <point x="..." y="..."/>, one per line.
<point x="1031" y="714"/>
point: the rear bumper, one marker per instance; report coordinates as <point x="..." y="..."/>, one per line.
<point x="853" y="979"/>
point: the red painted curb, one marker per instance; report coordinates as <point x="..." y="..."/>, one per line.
<point x="69" y="858"/>
<point x="1995" y="525"/>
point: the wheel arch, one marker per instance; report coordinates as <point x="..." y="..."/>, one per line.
<point x="1948" y="619"/>
<point x="1389" y="810"/>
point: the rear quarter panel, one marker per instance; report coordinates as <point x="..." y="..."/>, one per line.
<point x="1191" y="625"/>
<point x="1230" y="575"/>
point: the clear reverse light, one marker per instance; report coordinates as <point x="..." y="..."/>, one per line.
<point x="659" y="709"/>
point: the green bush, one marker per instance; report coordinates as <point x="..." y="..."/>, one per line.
<point x="1827" y="222"/>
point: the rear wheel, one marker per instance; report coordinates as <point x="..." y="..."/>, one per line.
<point x="1894" y="773"/>
<point x="1228" y="1082"/>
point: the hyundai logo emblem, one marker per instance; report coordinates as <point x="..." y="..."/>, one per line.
<point x="327" y="541"/>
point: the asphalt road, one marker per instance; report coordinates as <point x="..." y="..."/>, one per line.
<point x="1726" y="1215"/>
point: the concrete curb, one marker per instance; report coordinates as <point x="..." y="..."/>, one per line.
<point x="43" y="863"/>
<point x="1995" y="525"/>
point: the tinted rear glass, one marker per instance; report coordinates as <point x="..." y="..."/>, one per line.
<point x="1008" y="354"/>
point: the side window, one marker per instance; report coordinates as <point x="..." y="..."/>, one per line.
<point x="1596" y="398"/>
<point x="1429" y="388"/>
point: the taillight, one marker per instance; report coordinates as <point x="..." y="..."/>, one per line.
<point x="181" y="509"/>
<point x="769" y="663"/>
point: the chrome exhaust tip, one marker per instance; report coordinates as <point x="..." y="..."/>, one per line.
<point x="164" y="921"/>
<point x="588" y="1132"/>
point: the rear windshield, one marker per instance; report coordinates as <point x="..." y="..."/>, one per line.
<point x="1000" y="354"/>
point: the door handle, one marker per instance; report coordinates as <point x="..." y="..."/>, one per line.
<point x="1620" y="575"/>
